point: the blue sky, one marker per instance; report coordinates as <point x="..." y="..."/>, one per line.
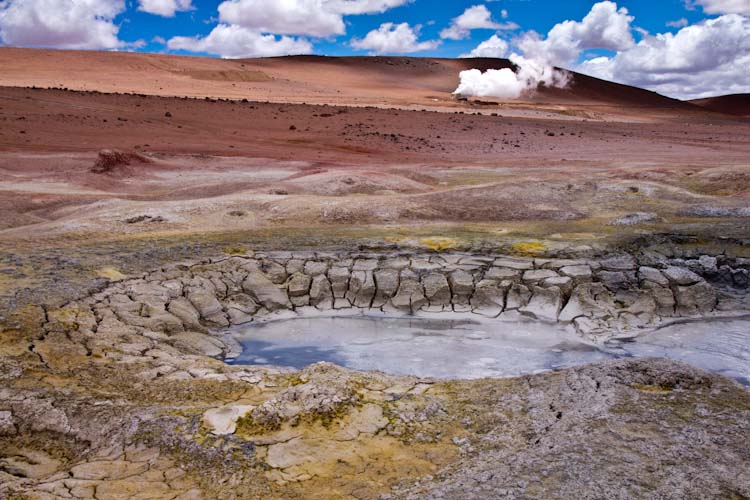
<point x="538" y="15"/>
<point x="682" y="48"/>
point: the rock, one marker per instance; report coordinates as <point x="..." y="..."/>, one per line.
<point x="624" y="262"/>
<point x="545" y="303"/>
<point x="653" y="275"/>
<point x="578" y="272"/>
<point x="695" y="299"/>
<point x="265" y="292"/>
<point x="708" y="263"/>
<point x="299" y="285"/>
<point x="223" y="421"/>
<point x="7" y="427"/>
<point x="681" y="276"/>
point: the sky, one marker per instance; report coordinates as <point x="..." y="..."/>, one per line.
<point x="681" y="48"/>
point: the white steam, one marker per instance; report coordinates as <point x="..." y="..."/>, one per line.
<point x="507" y="84"/>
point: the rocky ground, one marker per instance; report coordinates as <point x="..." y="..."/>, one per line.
<point x="136" y="229"/>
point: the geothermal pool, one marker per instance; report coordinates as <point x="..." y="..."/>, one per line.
<point x="465" y="348"/>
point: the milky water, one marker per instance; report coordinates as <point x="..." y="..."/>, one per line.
<point x="472" y="349"/>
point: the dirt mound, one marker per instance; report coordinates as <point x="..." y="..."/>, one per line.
<point x="113" y="161"/>
<point x="733" y="104"/>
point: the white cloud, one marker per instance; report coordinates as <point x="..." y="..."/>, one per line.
<point x="725" y="6"/>
<point x="492" y="47"/>
<point x="317" y="18"/>
<point x="604" y="27"/>
<point x="165" y="8"/>
<point x="679" y="23"/>
<point x="231" y="41"/>
<point x="473" y="18"/>
<point x="699" y="60"/>
<point x="64" y="24"/>
<point x="392" y="38"/>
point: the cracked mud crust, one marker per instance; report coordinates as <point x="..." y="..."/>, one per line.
<point x="122" y="394"/>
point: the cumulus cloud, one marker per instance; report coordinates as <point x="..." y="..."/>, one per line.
<point x="231" y="41"/>
<point x="82" y="24"/>
<point x="164" y="8"/>
<point x="494" y="46"/>
<point x="317" y="18"/>
<point x="699" y="60"/>
<point x="725" y="6"/>
<point x="473" y="18"/>
<point x="392" y="38"/>
<point x="605" y="27"/>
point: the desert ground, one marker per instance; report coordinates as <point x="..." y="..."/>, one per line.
<point x="149" y="202"/>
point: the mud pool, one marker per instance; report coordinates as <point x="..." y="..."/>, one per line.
<point x="465" y="348"/>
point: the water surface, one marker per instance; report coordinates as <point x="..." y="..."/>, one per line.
<point x="472" y="349"/>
